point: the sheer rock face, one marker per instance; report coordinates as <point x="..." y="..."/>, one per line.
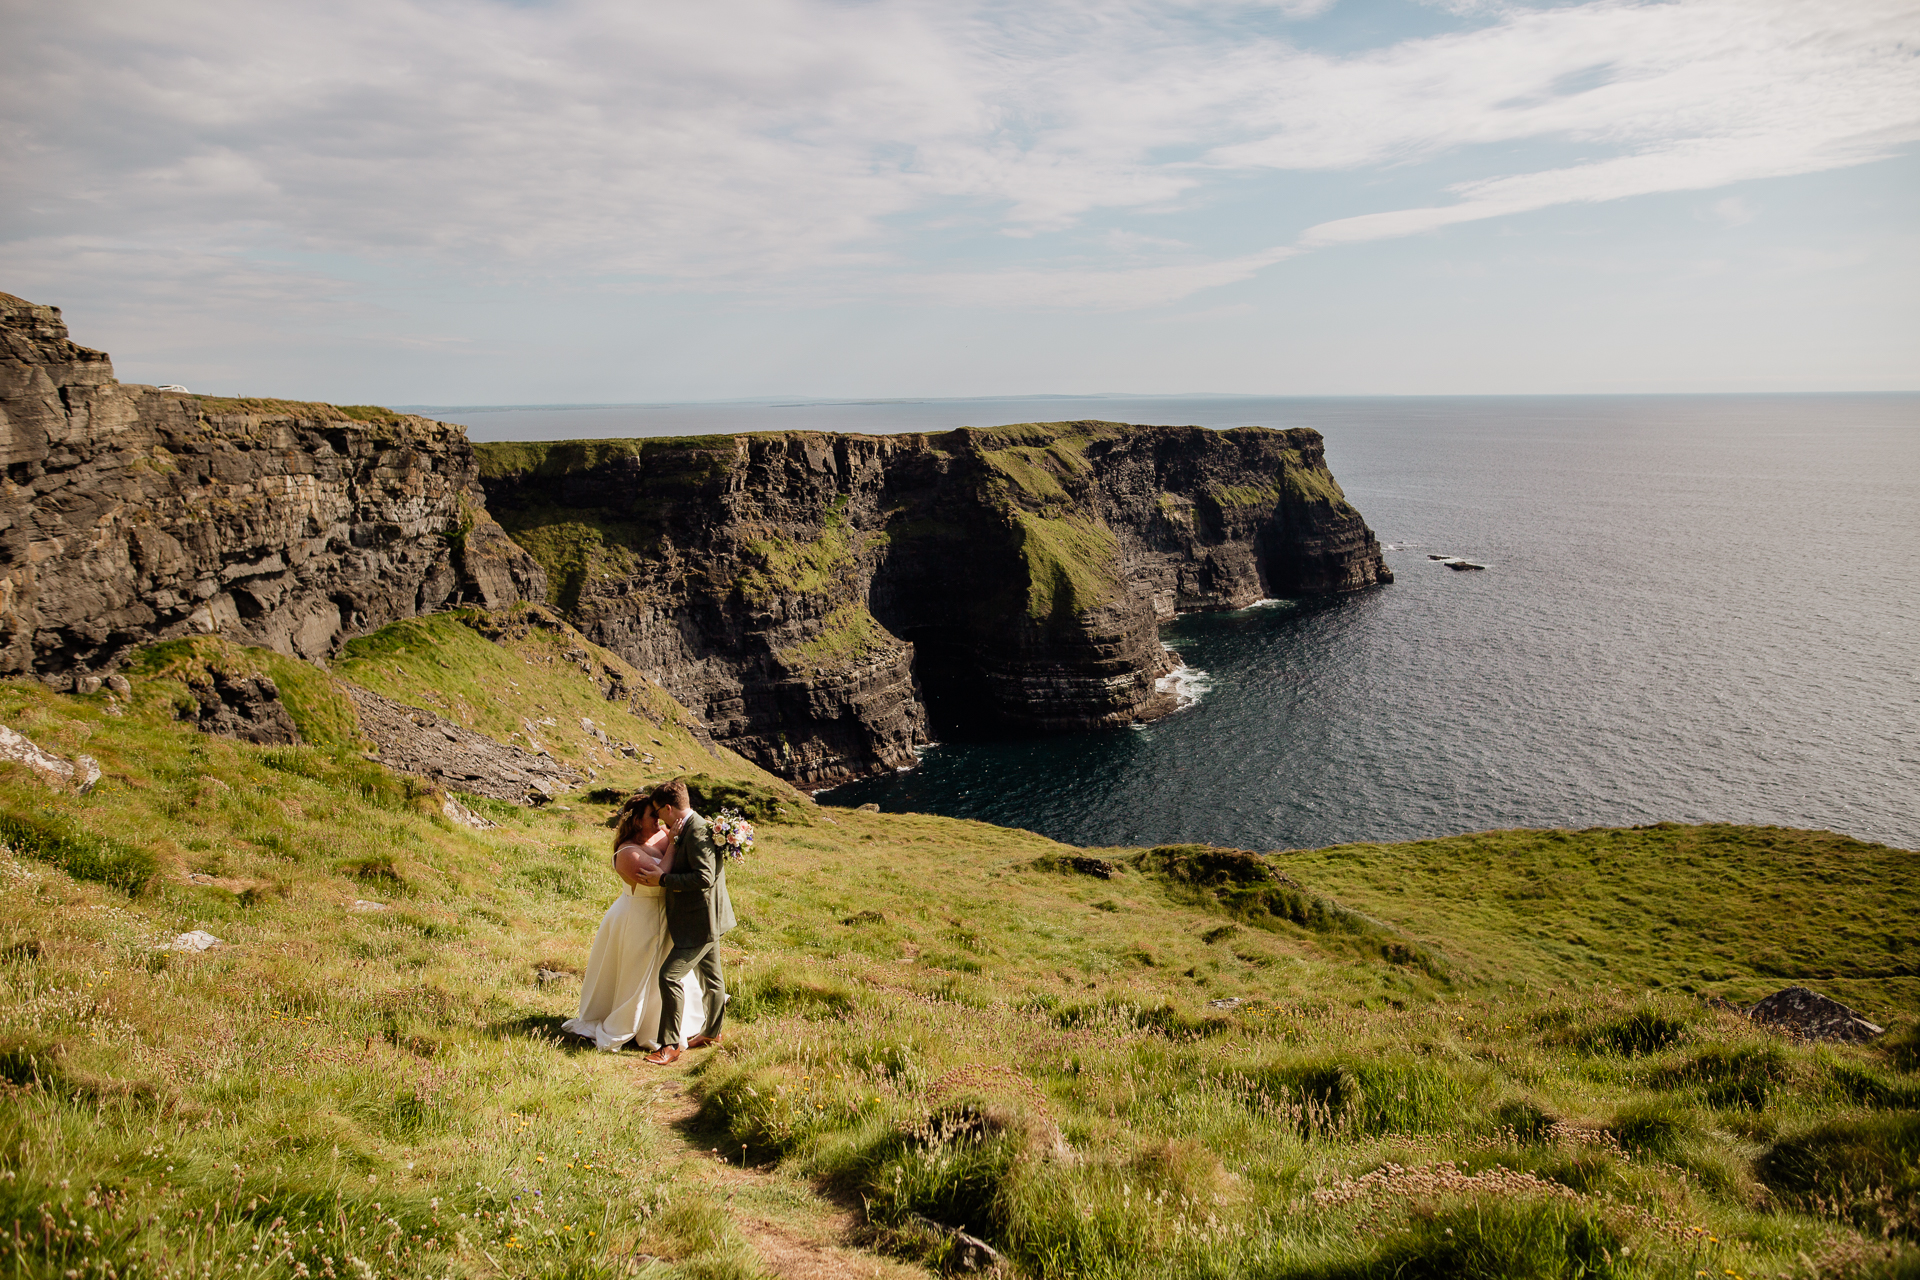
<point x="130" y="515"/>
<point x="825" y="600"/>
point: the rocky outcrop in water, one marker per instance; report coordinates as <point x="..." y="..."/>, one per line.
<point x="130" y="515"/>
<point x="826" y="601"/>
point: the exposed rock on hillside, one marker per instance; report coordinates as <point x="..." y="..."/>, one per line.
<point x="130" y="515"/>
<point x="454" y="757"/>
<point x="821" y="600"/>
<point x="238" y="704"/>
<point x="81" y="774"/>
<point x="1812" y="1016"/>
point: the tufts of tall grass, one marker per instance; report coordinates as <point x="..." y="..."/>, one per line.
<point x="1646" y="1028"/>
<point x="85" y="855"/>
<point x="1865" y="1171"/>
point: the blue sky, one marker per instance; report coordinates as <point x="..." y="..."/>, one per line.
<point x="470" y="201"/>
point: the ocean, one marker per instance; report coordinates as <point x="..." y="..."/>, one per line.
<point x="1695" y="608"/>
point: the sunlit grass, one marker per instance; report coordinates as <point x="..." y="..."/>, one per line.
<point x="939" y="1023"/>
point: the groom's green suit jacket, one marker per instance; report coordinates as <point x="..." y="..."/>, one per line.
<point x="698" y="909"/>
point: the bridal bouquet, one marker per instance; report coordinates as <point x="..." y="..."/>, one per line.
<point x="733" y="833"/>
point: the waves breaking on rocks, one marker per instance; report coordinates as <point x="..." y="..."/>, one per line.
<point x="1187" y="685"/>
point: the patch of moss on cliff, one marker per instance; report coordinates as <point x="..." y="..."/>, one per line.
<point x="1175" y="508"/>
<point x="788" y="567"/>
<point x="849" y="636"/>
<point x="697" y="458"/>
<point x="1072" y="564"/>
<point x="577" y="547"/>
<point x="1251" y="495"/>
<point x="1033" y="457"/>
<point x="1312" y="484"/>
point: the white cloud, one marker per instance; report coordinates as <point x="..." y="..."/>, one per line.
<point x="1730" y="93"/>
<point x="844" y="148"/>
<point x="1089" y="288"/>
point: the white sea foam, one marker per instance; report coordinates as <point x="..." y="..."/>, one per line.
<point x="1187" y="685"/>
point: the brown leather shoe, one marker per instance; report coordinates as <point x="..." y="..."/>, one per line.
<point x="665" y="1056"/>
<point x="702" y="1041"/>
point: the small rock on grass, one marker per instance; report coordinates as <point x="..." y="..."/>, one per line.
<point x="51" y="769"/>
<point x="466" y="817"/>
<point x="361" y="904"/>
<point x="195" y="940"/>
<point x="1812" y="1016"/>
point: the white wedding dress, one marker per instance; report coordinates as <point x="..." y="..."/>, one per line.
<point x="620" y="996"/>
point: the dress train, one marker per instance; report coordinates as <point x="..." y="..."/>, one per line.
<point x="620" y="996"/>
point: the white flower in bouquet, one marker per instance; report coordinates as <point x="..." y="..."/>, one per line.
<point x="733" y="833"/>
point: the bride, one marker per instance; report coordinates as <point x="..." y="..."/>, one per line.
<point x="620" y="996"/>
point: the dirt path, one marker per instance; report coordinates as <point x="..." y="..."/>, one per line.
<point x="798" y="1234"/>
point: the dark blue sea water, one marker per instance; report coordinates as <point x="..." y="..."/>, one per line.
<point x="1696" y="608"/>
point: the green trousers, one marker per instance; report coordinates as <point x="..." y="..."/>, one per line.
<point x="713" y="990"/>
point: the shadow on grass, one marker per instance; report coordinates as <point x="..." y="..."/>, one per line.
<point x="541" y="1026"/>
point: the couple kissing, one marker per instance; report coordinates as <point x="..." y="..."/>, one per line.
<point x="653" y="976"/>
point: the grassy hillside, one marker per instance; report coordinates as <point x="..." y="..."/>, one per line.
<point x="1734" y="911"/>
<point x="1470" y="1057"/>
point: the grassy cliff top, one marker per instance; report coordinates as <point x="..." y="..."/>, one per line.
<point x="312" y="410"/>
<point x="1468" y="1056"/>
<point x="499" y="459"/>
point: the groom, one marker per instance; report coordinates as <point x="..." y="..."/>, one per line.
<point x="699" y="914"/>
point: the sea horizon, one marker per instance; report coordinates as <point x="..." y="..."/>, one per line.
<point x="917" y="414"/>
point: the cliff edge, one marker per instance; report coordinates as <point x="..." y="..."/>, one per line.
<point x="130" y="515"/>
<point x="828" y="601"/>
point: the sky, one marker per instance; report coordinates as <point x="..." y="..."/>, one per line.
<point x="475" y="202"/>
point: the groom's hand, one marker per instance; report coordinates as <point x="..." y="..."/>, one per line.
<point x="650" y="878"/>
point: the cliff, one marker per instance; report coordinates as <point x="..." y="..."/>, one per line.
<point x="825" y="601"/>
<point x="130" y="515"/>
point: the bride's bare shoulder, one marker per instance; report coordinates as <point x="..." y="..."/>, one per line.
<point x="631" y="861"/>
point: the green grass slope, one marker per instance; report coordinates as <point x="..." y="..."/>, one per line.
<point x="1734" y="911"/>
<point x="1202" y="1065"/>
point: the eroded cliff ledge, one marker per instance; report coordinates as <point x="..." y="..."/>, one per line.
<point x="130" y="515"/>
<point x="826" y="600"/>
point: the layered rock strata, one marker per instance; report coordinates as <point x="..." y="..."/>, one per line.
<point x="825" y="601"/>
<point x="130" y="515"/>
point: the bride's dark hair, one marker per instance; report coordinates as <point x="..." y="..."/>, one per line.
<point x="633" y="814"/>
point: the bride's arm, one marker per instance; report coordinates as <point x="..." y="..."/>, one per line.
<point x="631" y="864"/>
